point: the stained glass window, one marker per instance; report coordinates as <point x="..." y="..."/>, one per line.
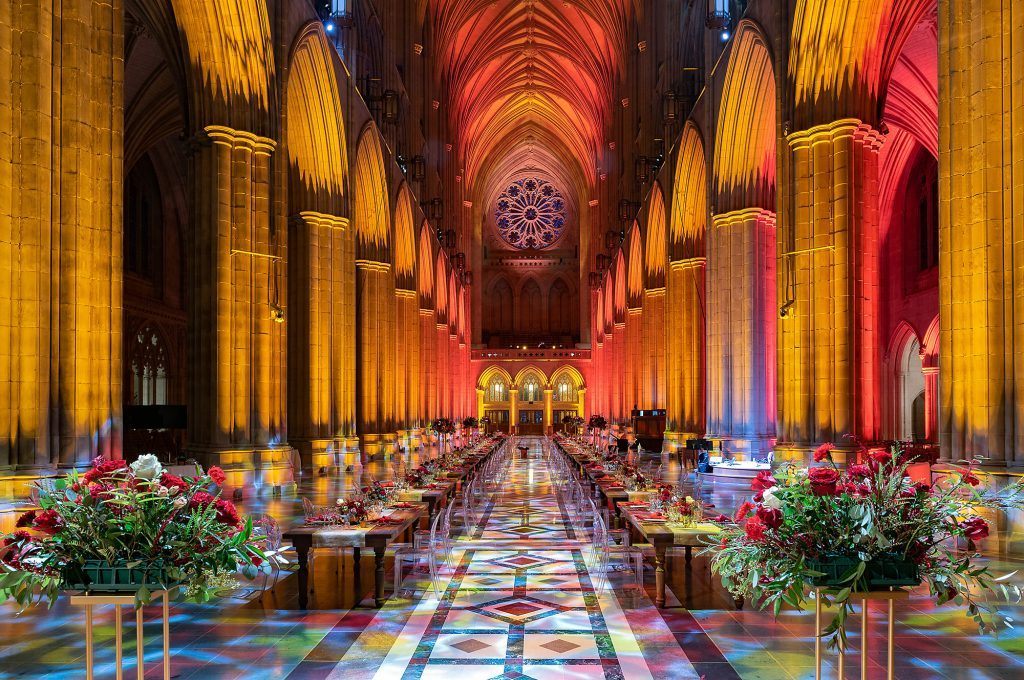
<point x="530" y="213"/>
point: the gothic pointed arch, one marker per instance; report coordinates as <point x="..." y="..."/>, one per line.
<point x="371" y="210"/>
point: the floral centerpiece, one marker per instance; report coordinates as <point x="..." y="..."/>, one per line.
<point x="596" y="424"/>
<point x="684" y="511"/>
<point x="418" y="477"/>
<point x="631" y="477"/>
<point x="355" y="509"/>
<point x="866" y="527"/>
<point x="129" y="527"/>
<point x="375" y="493"/>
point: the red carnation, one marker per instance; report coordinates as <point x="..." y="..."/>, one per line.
<point x="174" y="482"/>
<point x="103" y="467"/>
<point x="971" y="478"/>
<point x="823" y="452"/>
<point x="858" y="471"/>
<point x="755" y="529"/>
<point x="201" y="499"/>
<point x="217" y="475"/>
<point x="26" y="519"/>
<point x="975" y="528"/>
<point x="823" y="481"/>
<point x="49" y="522"/>
<point x="770" y="517"/>
<point x="227" y="513"/>
<point x="763" y="480"/>
<point x="743" y="511"/>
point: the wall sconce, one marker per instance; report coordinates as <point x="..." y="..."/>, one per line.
<point x="603" y="263"/>
<point x="627" y="210"/>
<point x="642" y="169"/>
<point x="669" y="108"/>
<point x="276" y="313"/>
<point x="612" y="239"/>
<point x="460" y="261"/>
<point x="390" y="106"/>
<point x="450" y="238"/>
<point x="419" y="168"/>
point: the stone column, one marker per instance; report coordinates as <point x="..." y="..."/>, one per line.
<point x="61" y="144"/>
<point x="981" y="233"/>
<point x="480" y="411"/>
<point x="685" y="349"/>
<point x="237" y="337"/>
<point x="549" y="420"/>
<point x="931" y="403"/>
<point x="618" y="373"/>
<point x="441" y="347"/>
<point x="828" y="266"/>
<point x="741" y="329"/>
<point x="633" y="352"/>
<point x="582" y="404"/>
<point x="375" y="364"/>
<point x="320" y="313"/>
<point x="513" y="410"/>
<point x="652" y="359"/>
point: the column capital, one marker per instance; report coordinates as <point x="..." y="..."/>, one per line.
<point x="828" y="132"/>
<point x="688" y="263"/>
<point x="373" y="265"/>
<point x="319" y="219"/>
<point x="221" y="134"/>
<point x="740" y="216"/>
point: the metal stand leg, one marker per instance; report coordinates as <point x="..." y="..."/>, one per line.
<point x="118" y="631"/>
<point x="864" y="641"/>
<point x="140" y="656"/>
<point x="817" y="634"/>
<point x="88" y="642"/>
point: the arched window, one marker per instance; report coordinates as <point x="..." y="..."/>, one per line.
<point x="531" y="389"/>
<point x="497" y="390"/>
<point x="148" y="363"/>
<point x="565" y="389"/>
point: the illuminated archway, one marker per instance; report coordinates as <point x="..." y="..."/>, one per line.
<point x="655" y="249"/>
<point x="375" y="292"/>
<point x="371" y="212"/>
<point x="315" y="127"/>
<point x="741" y="251"/>
<point x="405" y="239"/>
<point x="685" y="294"/>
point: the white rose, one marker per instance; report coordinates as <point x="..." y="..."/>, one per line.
<point x="163" y="491"/>
<point x="770" y="500"/>
<point x="179" y="502"/>
<point x="147" y="467"/>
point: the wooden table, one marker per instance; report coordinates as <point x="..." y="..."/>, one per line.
<point x="377" y="537"/>
<point x="661" y="538"/>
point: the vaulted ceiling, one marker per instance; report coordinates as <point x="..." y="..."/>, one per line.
<point x="529" y="84"/>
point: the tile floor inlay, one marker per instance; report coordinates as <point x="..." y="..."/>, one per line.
<point x="520" y="570"/>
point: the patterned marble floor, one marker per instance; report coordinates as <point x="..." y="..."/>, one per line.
<point x="524" y="621"/>
<point x="521" y="603"/>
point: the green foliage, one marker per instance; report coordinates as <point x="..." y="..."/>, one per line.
<point x="877" y="512"/>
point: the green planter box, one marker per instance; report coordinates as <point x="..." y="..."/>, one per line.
<point x="101" y="576"/>
<point x="884" y="571"/>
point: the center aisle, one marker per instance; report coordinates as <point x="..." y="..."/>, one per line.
<point x="520" y="604"/>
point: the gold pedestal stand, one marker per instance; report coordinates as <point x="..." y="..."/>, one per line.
<point x="89" y="601"/>
<point x="889" y="596"/>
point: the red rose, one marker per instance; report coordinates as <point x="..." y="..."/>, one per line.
<point x="743" y="511"/>
<point x="227" y="513"/>
<point x="174" y="482"/>
<point x="26" y="519"/>
<point x="880" y="457"/>
<point x="922" y="487"/>
<point x="763" y="480"/>
<point x="824" y="452"/>
<point x="975" y="528"/>
<point x="217" y="475"/>
<point x="770" y="517"/>
<point x="858" y="471"/>
<point x="257" y="560"/>
<point x="755" y="529"/>
<point x="201" y="499"/>
<point x="48" y="522"/>
<point x="823" y="481"/>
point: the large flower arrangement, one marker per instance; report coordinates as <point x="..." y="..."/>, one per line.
<point x="137" y="516"/>
<point x="870" y="517"/>
<point x="597" y="422"/>
<point x="443" y="426"/>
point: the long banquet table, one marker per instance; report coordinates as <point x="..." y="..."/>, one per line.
<point x="631" y="516"/>
<point x="427" y="501"/>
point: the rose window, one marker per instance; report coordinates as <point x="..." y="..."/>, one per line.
<point x="530" y="213"/>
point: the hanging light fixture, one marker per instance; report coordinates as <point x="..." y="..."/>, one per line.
<point x="459" y="261"/>
<point x="669" y="108"/>
<point x="595" y="280"/>
<point x="641" y="169"/>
